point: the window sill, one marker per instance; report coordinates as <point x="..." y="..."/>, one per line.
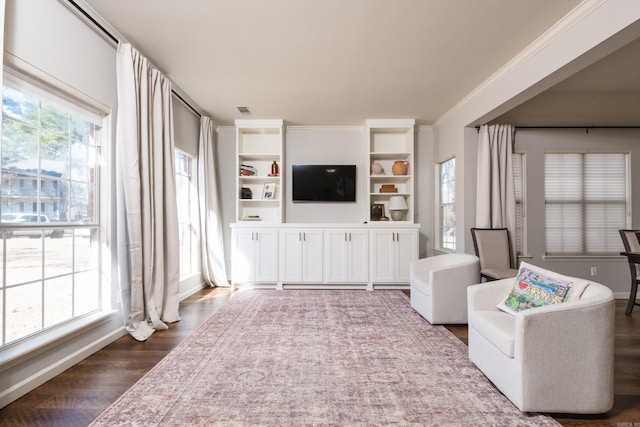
<point x="15" y="353"/>
<point x="443" y="251"/>
<point x="602" y="258"/>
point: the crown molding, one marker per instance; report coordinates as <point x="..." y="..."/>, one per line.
<point x="570" y="20"/>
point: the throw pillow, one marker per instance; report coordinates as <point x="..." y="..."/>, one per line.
<point x="537" y="287"/>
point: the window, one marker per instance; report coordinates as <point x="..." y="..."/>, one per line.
<point x="586" y="201"/>
<point x="187" y="205"/>
<point x="447" y="214"/>
<point x="49" y="227"/>
<point x="518" y="178"/>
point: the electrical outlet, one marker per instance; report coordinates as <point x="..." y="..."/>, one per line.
<point x="594" y="271"/>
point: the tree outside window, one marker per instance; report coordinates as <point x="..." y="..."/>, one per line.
<point x="447" y="214"/>
<point x="49" y="227"/>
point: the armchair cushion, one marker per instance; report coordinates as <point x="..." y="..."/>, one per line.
<point x="538" y="287"/>
<point x="497" y="328"/>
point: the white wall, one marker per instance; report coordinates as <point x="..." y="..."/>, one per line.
<point x="593" y="31"/>
<point x="533" y="143"/>
<point x="327" y="145"/>
<point x="424" y="188"/>
<point x="227" y="175"/>
<point x="48" y="36"/>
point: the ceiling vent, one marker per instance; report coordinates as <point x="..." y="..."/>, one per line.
<point x="244" y="110"/>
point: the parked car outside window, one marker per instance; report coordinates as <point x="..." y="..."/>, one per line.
<point x="30" y="219"/>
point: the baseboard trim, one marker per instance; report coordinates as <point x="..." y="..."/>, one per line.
<point x="37" y="379"/>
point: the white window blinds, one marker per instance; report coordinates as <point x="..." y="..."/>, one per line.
<point x="518" y="183"/>
<point x="585" y="202"/>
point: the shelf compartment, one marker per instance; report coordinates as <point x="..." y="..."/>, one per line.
<point x="391" y="140"/>
<point x="250" y="142"/>
<point x="389" y="156"/>
<point x="391" y="178"/>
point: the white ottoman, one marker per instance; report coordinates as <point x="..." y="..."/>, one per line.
<point x="439" y="286"/>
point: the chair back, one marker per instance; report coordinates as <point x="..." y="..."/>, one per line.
<point x="631" y="244"/>
<point x="630" y="240"/>
<point x="493" y="247"/>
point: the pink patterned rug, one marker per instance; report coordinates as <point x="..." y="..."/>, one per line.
<point x="317" y="358"/>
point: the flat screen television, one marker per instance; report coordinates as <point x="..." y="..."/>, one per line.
<point x="323" y="183"/>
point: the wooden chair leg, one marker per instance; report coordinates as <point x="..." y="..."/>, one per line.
<point x="632" y="296"/>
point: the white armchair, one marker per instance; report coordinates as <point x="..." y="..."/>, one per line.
<point x="557" y="358"/>
<point x="439" y="286"/>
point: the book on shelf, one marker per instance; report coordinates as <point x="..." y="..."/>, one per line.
<point x="252" y="218"/>
<point x="388" y="188"/>
<point x="247" y="170"/>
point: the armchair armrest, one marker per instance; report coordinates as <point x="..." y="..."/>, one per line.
<point x="485" y="296"/>
<point x="569" y="340"/>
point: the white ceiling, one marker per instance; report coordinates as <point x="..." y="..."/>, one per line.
<point x="336" y="62"/>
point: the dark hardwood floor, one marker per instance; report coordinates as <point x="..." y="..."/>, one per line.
<point x="77" y="396"/>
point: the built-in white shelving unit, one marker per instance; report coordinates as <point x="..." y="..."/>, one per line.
<point x="390" y="141"/>
<point x="267" y="252"/>
<point x="259" y="143"/>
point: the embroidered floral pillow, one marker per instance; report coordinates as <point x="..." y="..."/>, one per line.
<point x="537" y="287"/>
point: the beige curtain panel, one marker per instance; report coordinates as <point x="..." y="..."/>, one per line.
<point x="495" y="195"/>
<point x="212" y="249"/>
<point x="146" y="202"/>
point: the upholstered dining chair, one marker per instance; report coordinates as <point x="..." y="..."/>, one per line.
<point x="632" y="244"/>
<point x="493" y="247"/>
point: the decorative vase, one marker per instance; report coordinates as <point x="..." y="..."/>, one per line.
<point x="376" y="169"/>
<point x="400" y="167"/>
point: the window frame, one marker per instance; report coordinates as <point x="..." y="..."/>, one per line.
<point x="192" y="225"/>
<point x="50" y="334"/>
<point x="440" y="216"/>
<point x="520" y="240"/>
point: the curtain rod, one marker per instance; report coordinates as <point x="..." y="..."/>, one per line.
<point x="115" y="40"/>
<point x="586" y="128"/>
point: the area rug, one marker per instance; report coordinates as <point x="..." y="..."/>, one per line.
<point x="317" y="358"/>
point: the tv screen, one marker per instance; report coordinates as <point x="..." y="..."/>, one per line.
<point x="324" y="183"/>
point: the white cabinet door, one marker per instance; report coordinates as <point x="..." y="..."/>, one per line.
<point x="291" y="256"/>
<point x="346" y="256"/>
<point x="383" y="257"/>
<point x="392" y="253"/>
<point x="266" y="256"/>
<point x="336" y="256"/>
<point x="255" y="255"/>
<point x="406" y="252"/>
<point x="312" y="256"/>
<point x="243" y="268"/>
<point x="301" y="258"/>
<point x="358" y="247"/>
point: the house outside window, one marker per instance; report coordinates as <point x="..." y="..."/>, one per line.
<point x="447" y="210"/>
<point x="586" y="203"/>
<point x="49" y="225"/>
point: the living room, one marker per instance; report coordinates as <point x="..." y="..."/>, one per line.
<point x="515" y="94"/>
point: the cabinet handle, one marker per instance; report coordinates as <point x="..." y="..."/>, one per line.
<point x="304" y="236"/>
<point x="346" y="238"/>
<point x="349" y="236"/>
